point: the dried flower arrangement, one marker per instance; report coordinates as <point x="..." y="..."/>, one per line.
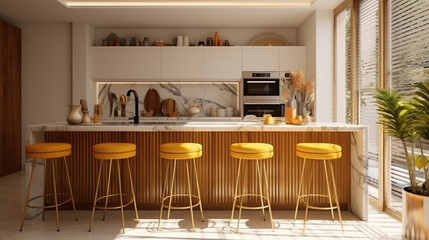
<point x="298" y="88"/>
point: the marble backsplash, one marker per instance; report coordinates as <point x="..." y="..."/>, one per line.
<point x="218" y="94"/>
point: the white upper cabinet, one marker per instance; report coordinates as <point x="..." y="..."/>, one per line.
<point x="292" y="58"/>
<point x="182" y="63"/>
<point x="222" y="63"/>
<point x="191" y="63"/>
<point x="106" y="63"/>
<point x="260" y="59"/>
<point x="141" y="63"/>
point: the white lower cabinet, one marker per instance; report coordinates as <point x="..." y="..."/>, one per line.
<point x="222" y="63"/>
<point x="182" y="63"/>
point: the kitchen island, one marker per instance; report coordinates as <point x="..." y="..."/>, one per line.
<point x="216" y="169"/>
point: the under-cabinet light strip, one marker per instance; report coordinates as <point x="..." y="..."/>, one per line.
<point x="120" y="4"/>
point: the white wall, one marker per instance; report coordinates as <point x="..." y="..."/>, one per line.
<point x="306" y="35"/>
<point x="316" y="33"/>
<point x="46" y="73"/>
<point x="236" y="36"/>
<point x="82" y="86"/>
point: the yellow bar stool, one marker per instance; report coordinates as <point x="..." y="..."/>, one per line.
<point x="325" y="152"/>
<point x="256" y="153"/>
<point x="53" y="152"/>
<point x="174" y="153"/>
<point x="107" y="153"/>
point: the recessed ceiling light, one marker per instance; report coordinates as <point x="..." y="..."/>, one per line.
<point x="189" y="3"/>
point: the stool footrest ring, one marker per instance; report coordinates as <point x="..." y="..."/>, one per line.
<point x="180" y="195"/>
<point x="301" y="199"/>
<point x="113" y="207"/>
<point x="248" y="207"/>
<point x="50" y="206"/>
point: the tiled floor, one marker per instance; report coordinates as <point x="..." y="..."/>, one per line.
<point x="216" y="226"/>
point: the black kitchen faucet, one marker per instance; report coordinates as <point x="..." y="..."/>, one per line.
<point x="136" y="99"/>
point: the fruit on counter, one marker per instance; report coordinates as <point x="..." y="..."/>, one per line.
<point x="297" y="120"/>
<point x="173" y="114"/>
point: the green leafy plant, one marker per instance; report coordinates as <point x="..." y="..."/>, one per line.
<point x="409" y="122"/>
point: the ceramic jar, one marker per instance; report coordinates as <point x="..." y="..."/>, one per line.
<point x="194" y="110"/>
<point x="221" y="112"/>
<point x="229" y="111"/>
<point x="74" y="116"/>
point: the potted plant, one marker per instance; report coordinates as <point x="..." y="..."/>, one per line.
<point x="409" y="122"/>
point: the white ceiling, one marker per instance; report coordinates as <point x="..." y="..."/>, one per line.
<point x="52" y="11"/>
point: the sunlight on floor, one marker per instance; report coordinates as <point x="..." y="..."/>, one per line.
<point x="216" y="225"/>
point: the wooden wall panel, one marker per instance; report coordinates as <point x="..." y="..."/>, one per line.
<point x="216" y="169"/>
<point x="10" y="99"/>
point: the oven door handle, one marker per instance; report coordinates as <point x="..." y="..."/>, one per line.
<point x="260" y="81"/>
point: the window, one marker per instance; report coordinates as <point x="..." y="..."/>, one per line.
<point x="367" y="81"/>
<point x="408" y="29"/>
<point x="342" y="66"/>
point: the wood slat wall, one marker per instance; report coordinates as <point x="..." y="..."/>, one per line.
<point x="216" y="169"/>
<point x="10" y="99"/>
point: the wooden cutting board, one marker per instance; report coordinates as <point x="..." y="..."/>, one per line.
<point x="168" y="106"/>
<point x="152" y="101"/>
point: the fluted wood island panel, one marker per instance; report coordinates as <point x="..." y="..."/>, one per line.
<point x="216" y="169"/>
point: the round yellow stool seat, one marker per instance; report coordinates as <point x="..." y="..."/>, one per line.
<point x="251" y="151"/>
<point x="181" y="150"/>
<point x="318" y="151"/>
<point x="47" y="150"/>
<point x="114" y="150"/>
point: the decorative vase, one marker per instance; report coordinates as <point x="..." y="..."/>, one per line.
<point x="415" y="216"/>
<point x="74" y="116"/>
<point x="300" y="109"/>
<point x="85" y="117"/>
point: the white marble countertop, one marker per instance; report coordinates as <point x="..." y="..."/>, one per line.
<point x="159" y="125"/>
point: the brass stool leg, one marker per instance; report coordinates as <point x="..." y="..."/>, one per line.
<point x="120" y="197"/>
<point x="33" y="167"/>
<point x="107" y="189"/>
<point x="44" y="189"/>
<point x="198" y="190"/>
<point x="132" y="188"/>
<point x="307" y="201"/>
<point x="190" y="196"/>
<point x="241" y="198"/>
<point x="268" y="197"/>
<point x="71" y="192"/>
<point x="163" y="193"/>
<point x="55" y="194"/>
<point x="236" y="188"/>
<point x="260" y="187"/>
<point x="95" y="198"/>
<point x="299" y="189"/>
<point x="329" y="190"/>
<point x="171" y="189"/>
<point x="336" y="197"/>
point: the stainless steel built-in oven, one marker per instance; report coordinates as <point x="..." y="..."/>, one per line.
<point x="261" y="94"/>
<point x="259" y="109"/>
<point x="261" y="86"/>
